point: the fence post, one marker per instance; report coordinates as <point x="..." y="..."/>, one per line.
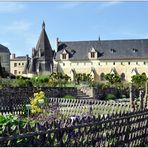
<point x="131" y="97"/>
<point x="127" y="144"/>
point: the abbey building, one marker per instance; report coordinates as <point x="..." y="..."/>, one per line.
<point x="99" y="57"/>
<point x="41" y="61"/>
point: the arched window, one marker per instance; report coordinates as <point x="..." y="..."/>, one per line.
<point x="123" y="77"/>
<point x="144" y="73"/>
<point x="102" y="77"/>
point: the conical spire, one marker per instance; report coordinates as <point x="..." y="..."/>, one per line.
<point x="43" y="46"/>
<point x="43" y="25"/>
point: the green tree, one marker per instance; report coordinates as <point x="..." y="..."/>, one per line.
<point x="113" y="78"/>
<point x="140" y="80"/>
<point x="58" y="79"/>
<point x="83" y="77"/>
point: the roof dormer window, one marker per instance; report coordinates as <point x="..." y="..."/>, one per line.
<point x="92" y="54"/>
<point x="64" y="55"/>
<point x="112" y="50"/>
<point x="135" y="50"/>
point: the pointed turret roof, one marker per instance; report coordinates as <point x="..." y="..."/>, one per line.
<point x="43" y="44"/>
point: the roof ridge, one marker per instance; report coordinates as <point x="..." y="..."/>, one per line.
<point x="102" y="40"/>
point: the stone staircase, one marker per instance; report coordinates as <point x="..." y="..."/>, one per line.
<point x="82" y="95"/>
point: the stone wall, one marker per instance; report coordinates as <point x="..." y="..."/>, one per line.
<point x="97" y="93"/>
<point x="21" y="95"/>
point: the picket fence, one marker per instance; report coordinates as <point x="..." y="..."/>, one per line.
<point x="118" y="129"/>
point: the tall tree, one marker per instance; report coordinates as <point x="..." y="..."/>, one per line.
<point x="140" y="80"/>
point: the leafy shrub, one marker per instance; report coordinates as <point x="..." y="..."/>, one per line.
<point x="43" y="79"/>
<point x="35" y="105"/>
<point x="6" y="83"/>
<point x="110" y="97"/>
<point x="9" y="120"/>
<point x="69" y="97"/>
<point x="23" y="83"/>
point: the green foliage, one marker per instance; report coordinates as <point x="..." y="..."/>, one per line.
<point x="9" y="120"/>
<point x="6" y="83"/>
<point x="83" y="77"/>
<point x="40" y="81"/>
<point x="37" y="101"/>
<point x="139" y="80"/>
<point x="69" y="97"/>
<point x="23" y="83"/>
<point x="113" y="78"/>
<point x="58" y="80"/>
<point x="110" y="97"/>
<point x="12" y="121"/>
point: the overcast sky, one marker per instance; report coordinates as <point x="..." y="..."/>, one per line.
<point x="20" y="24"/>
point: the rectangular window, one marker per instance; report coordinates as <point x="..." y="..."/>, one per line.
<point x="22" y="63"/>
<point x="15" y="64"/>
<point x="113" y="63"/>
<point x="63" y="56"/>
<point x="136" y="63"/>
<point x="15" y="72"/>
<point x="92" y="54"/>
<point x="63" y="64"/>
<point x="19" y="64"/>
<point x="129" y="63"/>
<point x="121" y="63"/>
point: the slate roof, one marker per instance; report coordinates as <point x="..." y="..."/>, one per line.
<point x="42" y="56"/>
<point x="43" y="45"/>
<point x="107" y="49"/>
<point x="4" y="49"/>
<point x="19" y="58"/>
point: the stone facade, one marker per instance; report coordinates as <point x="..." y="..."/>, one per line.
<point x="99" y="57"/>
<point x="125" y="68"/>
<point x="17" y="64"/>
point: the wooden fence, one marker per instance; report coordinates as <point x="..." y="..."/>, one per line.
<point x="80" y="107"/>
<point x="67" y="106"/>
<point x="122" y="129"/>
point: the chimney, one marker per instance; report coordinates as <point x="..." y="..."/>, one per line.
<point x="13" y="56"/>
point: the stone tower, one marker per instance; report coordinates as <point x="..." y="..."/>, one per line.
<point x="41" y="62"/>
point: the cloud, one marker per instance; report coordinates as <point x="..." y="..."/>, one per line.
<point x="70" y="5"/>
<point x="10" y="7"/>
<point x="105" y="5"/>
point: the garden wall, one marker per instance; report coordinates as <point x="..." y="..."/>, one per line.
<point x="21" y="95"/>
<point x="101" y="93"/>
